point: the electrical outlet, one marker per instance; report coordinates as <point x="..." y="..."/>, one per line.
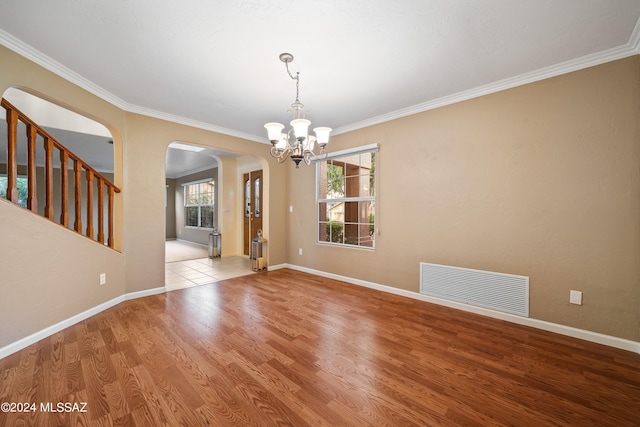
<point x="103" y="278"/>
<point x="291" y="208"/>
<point x="575" y="297"/>
<point x="299" y="251"/>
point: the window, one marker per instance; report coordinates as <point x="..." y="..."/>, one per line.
<point x="199" y="203"/>
<point x="346" y="197"/>
<point x="21" y="183"/>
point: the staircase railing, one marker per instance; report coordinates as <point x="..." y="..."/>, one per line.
<point x="93" y="180"/>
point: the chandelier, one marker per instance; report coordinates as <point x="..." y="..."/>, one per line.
<point x="296" y="143"/>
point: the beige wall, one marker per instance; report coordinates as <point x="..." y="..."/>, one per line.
<point x="230" y="220"/>
<point x="47" y="273"/>
<point x="170" y="212"/>
<point x="541" y="180"/>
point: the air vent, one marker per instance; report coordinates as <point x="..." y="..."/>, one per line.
<point x="507" y="293"/>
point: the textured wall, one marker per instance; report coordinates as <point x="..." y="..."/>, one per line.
<point x="540" y="180"/>
<point x="48" y="274"/>
<point x="170" y="211"/>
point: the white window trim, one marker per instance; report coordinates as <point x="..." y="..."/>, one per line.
<point x="18" y="177"/>
<point x="200" y="181"/>
<point x="370" y="148"/>
<point x="185" y="205"/>
<point x="348" y="152"/>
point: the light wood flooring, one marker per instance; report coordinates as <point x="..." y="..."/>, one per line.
<point x="285" y="348"/>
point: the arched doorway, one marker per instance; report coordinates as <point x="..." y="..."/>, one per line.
<point x="197" y="201"/>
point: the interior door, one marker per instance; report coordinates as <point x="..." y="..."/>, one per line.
<point x="253" y="184"/>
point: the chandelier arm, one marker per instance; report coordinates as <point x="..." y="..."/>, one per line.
<point x="275" y="152"/>
<point x="307" y="156"/>
<point x="280" y="155"/>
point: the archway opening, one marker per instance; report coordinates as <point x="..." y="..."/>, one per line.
<point x="201" y="199"/>
<point x="61" y="165"/>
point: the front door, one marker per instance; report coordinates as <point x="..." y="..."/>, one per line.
<point x="253" y="184"/>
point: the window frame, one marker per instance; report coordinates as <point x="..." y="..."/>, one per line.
<point x="371" y="148"/>
<point x="199" y="205"/>
<point x="22" y="201"/>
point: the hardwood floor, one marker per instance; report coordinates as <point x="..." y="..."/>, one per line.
<point x="290" y="349"/>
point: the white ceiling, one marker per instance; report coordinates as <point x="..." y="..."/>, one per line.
<point x="182" y="162"/>
<point x="214" y="63"/>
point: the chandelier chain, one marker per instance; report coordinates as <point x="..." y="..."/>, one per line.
<point x="296" y="78"/>
<point x="297" y="86"/>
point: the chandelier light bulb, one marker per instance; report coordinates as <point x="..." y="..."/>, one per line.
<point x="274" y="130"/>
<point x="300" y="128"/>
<point x="282" y="142"/>
<point x="322" y="134"/>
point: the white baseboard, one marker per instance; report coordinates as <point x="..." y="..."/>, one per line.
<point x="46" y="332"/>
<point x="534" y="323"/>
<point x="526" y="321"/>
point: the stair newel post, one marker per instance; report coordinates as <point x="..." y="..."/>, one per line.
<point x="32" y="197"/>
<point x="12" y="162"/>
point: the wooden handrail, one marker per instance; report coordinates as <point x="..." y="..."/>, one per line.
<point x="14" y="116"/>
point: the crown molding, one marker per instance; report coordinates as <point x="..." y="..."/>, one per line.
<point x="55" y="67"/>
<point x="25" y="50"/>
<point x="632" y="47"/>
<point x="193" y="123"/>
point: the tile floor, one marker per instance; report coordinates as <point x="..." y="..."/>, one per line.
<point x="184" y="274"/>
